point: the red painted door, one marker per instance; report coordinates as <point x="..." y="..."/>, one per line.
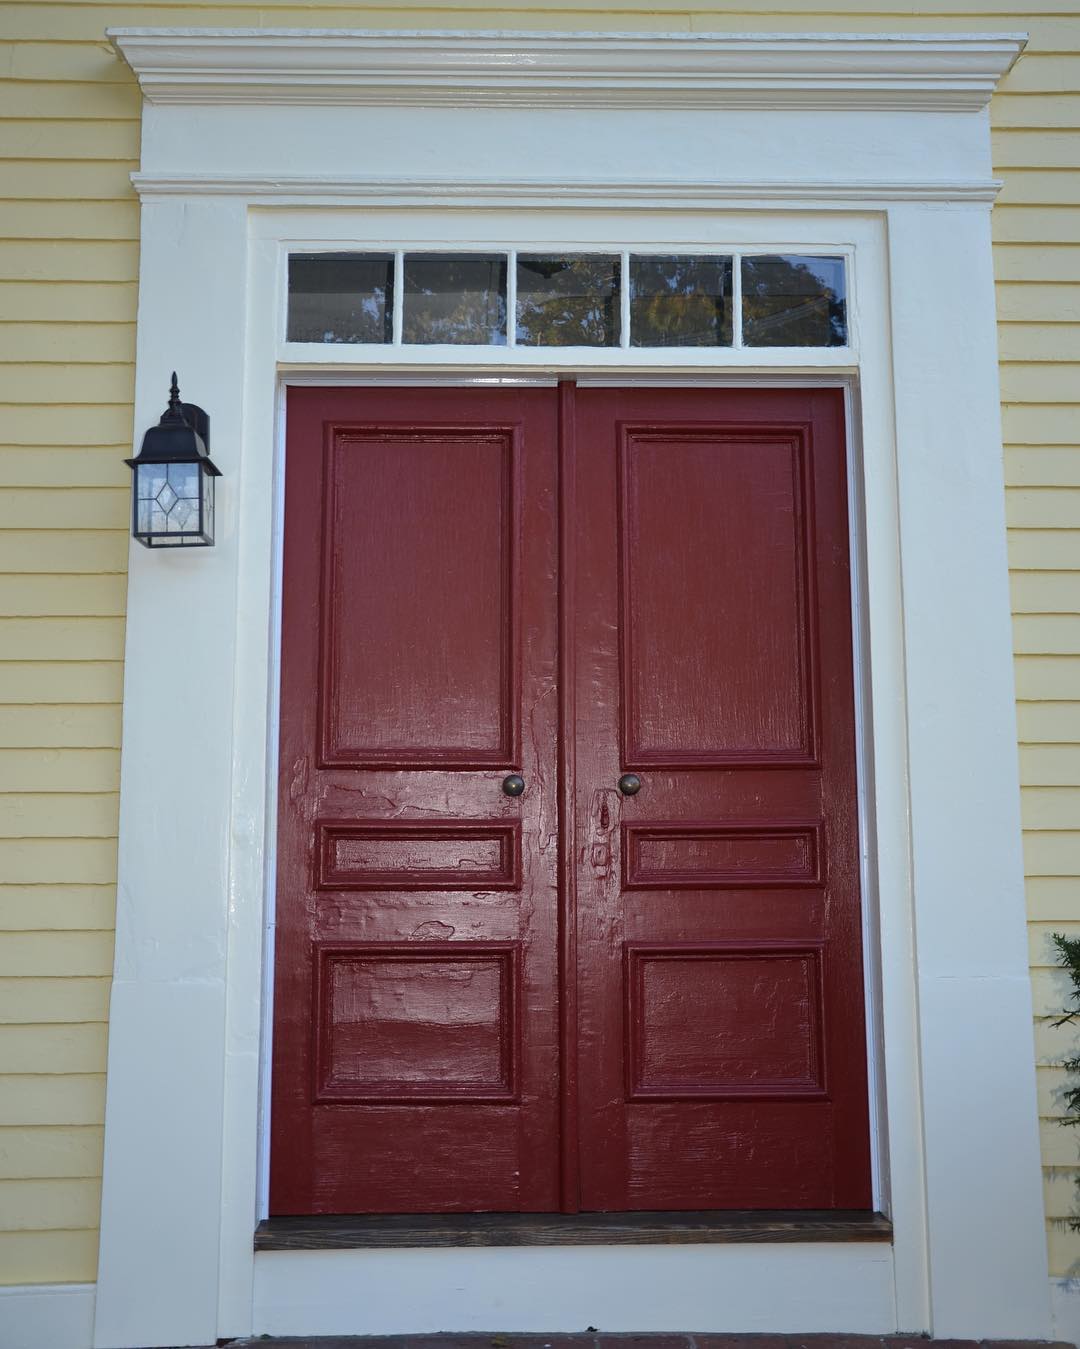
<point x="573" y="998"/>
<point x="721" y="1043"/>
<point x="415" y="1007"/>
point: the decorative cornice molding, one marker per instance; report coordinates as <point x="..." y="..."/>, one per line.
<point x="928" y="72"/>
<point x="598" y="195"/>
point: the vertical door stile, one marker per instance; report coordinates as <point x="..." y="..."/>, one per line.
<point x="570" y="1186"/>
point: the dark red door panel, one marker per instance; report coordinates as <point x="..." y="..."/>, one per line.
<point x="415" y="1051"/>
<point x="721" y="1035"/>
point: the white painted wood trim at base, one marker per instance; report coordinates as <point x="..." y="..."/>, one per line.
<point x="47" y="1316"/>
<point x="549" y="1290"/>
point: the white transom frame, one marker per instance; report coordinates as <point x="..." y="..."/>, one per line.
<point x="946" y="953"/>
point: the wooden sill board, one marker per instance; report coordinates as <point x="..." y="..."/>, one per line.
<point x="339" y="1232"/>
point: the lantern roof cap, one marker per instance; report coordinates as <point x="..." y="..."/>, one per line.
<point x="180" y="437"/>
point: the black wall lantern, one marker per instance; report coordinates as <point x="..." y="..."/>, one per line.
<point x="173" y="496"/>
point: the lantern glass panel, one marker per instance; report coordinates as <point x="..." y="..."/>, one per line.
<point x="169" y="511"/>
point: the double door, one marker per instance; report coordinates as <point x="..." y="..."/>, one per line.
<point x="568" y="885"/>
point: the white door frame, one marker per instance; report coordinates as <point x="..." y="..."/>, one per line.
<point x="796" y="123"/>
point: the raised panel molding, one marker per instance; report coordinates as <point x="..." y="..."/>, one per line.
<point x="418" y="855"/>
<point x="613" y="70"/>
<point x="446" y="1007"/>
<point x="688" y="1039"/>
<point x="640" y="667"/>
<point x="742" y="856"/>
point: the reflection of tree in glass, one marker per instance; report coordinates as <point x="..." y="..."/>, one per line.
<point x="567" y="302"/>
<point x="455" y="300"/>
<point x="793" y="302"/>
<point x="680" y="301"/>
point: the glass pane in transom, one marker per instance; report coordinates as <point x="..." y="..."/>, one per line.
<point x="341" y="297"/>
<point x="680" y="301"/>
<point x="455" y="299"/>
<point x="567" y="301"/>
<point x="793" y="301"/>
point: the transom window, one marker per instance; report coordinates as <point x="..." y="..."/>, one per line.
<point x="523" y="299"/>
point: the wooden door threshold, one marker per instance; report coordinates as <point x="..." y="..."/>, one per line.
<point x="350" y="1231"/>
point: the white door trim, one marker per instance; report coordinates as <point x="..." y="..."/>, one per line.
<point x="180" y="1197"/>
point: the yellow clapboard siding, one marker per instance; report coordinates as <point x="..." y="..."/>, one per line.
<point x="1038" y="149"/>
<point x="1040" y="634"/>
<point x="1023" y="341"/>
<point x="1048" y="549"/>
<point x="53" y="1049"/>
<point x="60" y="770"/>
<point x="1048" y="723"/>
<point x="64" y="343"/>
<point x="78" y="301"/>
<point x="91" y="221"/>
<point x="1039" y="187"/>
<point x="1056" y="1041"/>
<point x="40" y="1205"/>
<point x="74" y="596"/>
<point x="55" y="815"/>
<point x="1031" y="466"/>
<point x="1033" y="592"/>
<point x="1052" y="852"/>
<point x="1060" y="1194"/>
<point x="93" y="552"/>
<point x="61" y="725"/>
<point x="1050" y="995"/>
<point x="1051" y="226"/>
<point x="48" y="1257"/>
<point x="1038" y="303"/>
<point x="83" y="861"/>
<point x="1051" y="677"/>
<point x="27" y="955"/>
<point x="61" y="682"/>
<point x="1050" y="766"/>
<point x="1060" y="1145"/>
<point x="40" y="1154"/>
<point x="1046" y="110"/>
<point x="1032" y="508"/>
<point x="43" y="908"/>
<point x="47" y="99"/>
<point x="79" y="383"/>
<point x="74" y="141"/>
<point x="1051" y="808"/>
<point x="66" y="1098"/>
<point x="38" y="466"/>
<point x="65" y="508"/>
<point x="78" y="639"/>
<point x="1036" y="424"/>
<point x="63" y="260"/>
<point x="1048" y="897"/>
<point x="1038" y="263"/>
<point x="65" y="1000"/>
<point x="70" y="424"/>
<point x="1043" y="382"/>
<point x="42" y="183"/>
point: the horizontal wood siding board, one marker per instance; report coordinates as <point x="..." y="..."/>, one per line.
<point x="557" y="1229"/>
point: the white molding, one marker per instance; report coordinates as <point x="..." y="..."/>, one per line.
<point x="47" y="1316"/>
<point x="596" y="194"/>
<point x="611" y="70"/>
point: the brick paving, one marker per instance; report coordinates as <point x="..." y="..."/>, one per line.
<point x="599" y="1340"/>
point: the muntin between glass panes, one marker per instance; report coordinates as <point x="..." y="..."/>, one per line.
<point x="509" y="299"/>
